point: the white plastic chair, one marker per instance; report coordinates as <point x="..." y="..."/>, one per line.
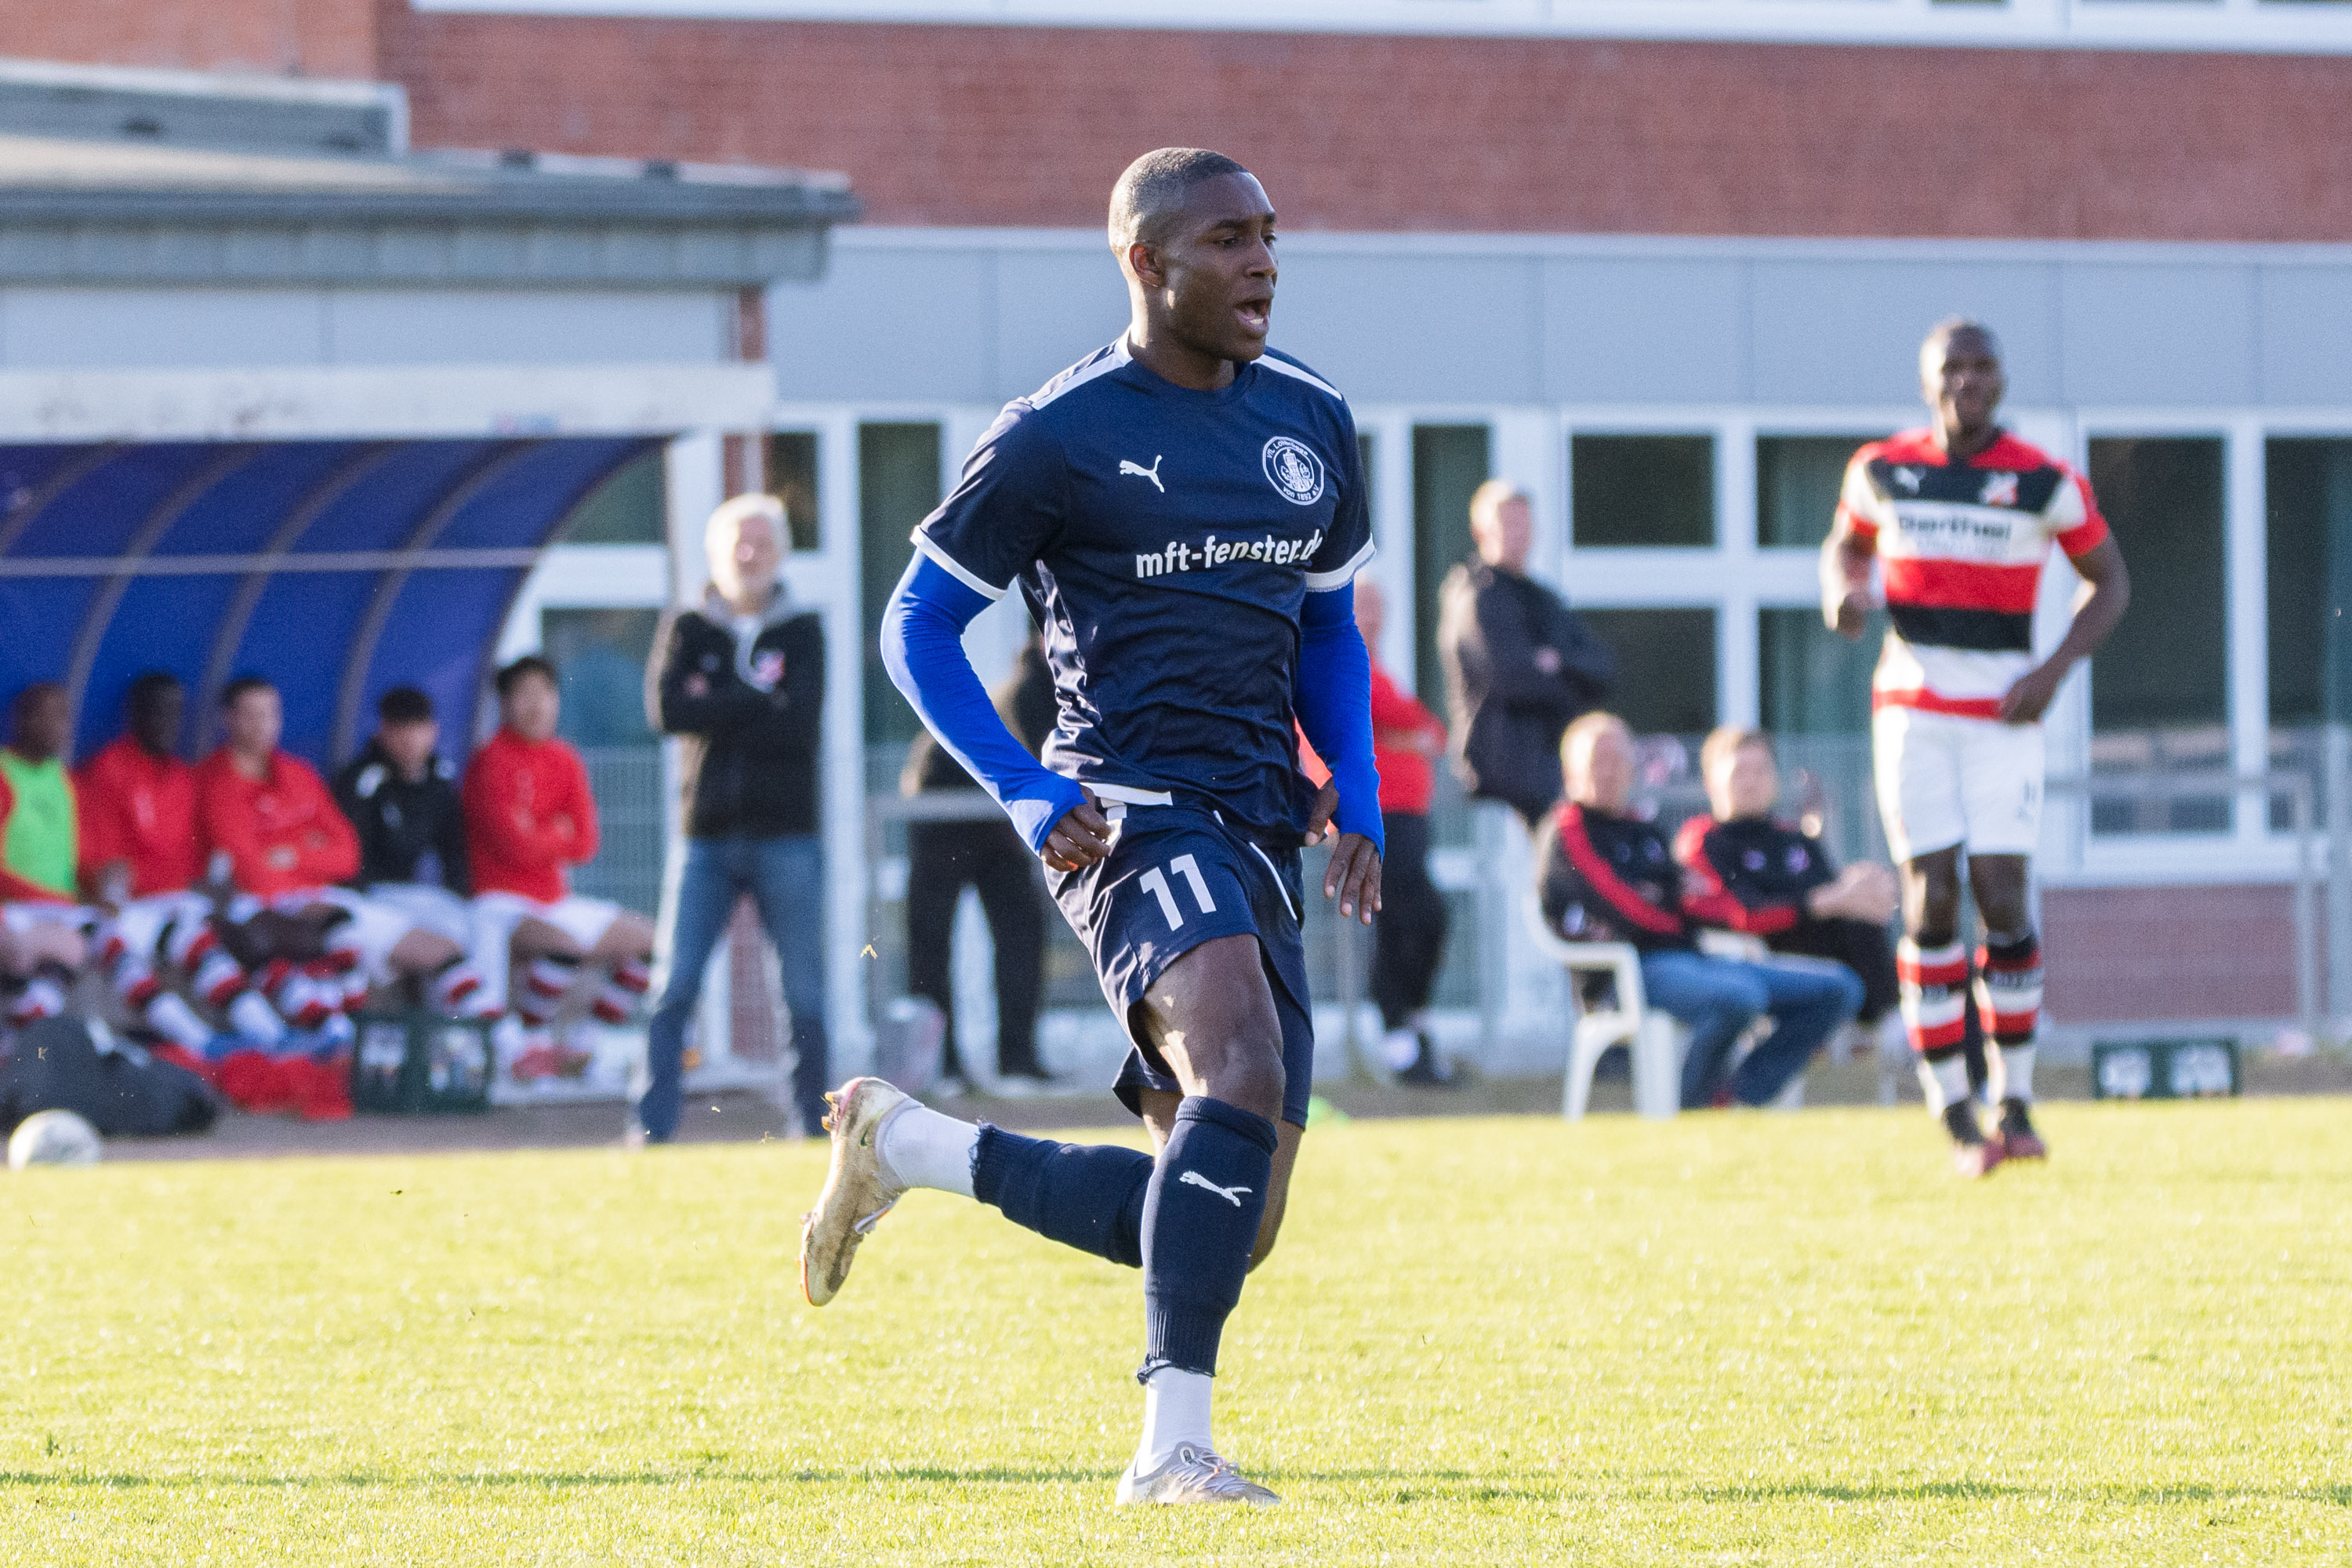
<point x="1653" y="1039"/>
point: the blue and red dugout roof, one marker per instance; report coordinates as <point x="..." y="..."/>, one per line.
<point x="336" y="569"/>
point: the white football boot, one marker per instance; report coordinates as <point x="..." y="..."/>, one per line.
<point x="858" y="1190"/>
<point x="1194" y="1475"/>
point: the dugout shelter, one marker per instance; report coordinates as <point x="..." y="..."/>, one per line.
<point x="280" y="395"/>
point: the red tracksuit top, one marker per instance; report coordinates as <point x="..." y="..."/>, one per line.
<point x="282" y="831"/>
<point x="1408" y="778"/>
<point x="529" y="816"/>
<point x="141" y="809"/>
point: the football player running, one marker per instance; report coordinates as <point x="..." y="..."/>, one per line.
<point x="1184" y="513"/>
<point x="1960" y="517"/>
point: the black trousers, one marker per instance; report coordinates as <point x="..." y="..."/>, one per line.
<point x="1409" y="933"/>
<point x="942" y="859"/>
<point x="1861" y="947"/>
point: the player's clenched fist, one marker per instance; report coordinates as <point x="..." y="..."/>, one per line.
<point x="1079" y="839"/>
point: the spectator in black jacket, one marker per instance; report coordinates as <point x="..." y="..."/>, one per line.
<point x="1604" y="874"/>
<point x="739" y="679"/>
<point x="1745" y="870"/>
<point x="988" y="854"/>
<point x="1519" y="664"/>
<point x="400" y="794"/>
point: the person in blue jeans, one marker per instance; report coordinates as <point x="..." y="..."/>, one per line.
<point x="1605" y="875"/>
<point x="739" y="681"/>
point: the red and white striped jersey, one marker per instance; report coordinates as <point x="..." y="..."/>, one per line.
<point x="1961" y="549"/>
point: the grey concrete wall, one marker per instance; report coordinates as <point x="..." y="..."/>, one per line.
<point x="43" y="328"/>
<point x="974" y="317"/>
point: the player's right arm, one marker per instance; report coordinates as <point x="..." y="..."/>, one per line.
<point x="1004" y="511"/>
<point x="1848" y="553"/>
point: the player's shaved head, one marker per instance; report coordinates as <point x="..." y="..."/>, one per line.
<point x="1149" y="197"/>
<point x="1941" y="336"/>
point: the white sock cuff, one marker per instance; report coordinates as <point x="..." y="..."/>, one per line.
<point x="921" y="1148"/>
<point x="1952" y="1080"/>
<point x="1175" y="1412"/>
<point x="2017" y="1072"/>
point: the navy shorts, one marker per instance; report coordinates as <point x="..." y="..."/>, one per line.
<point x="1176" y="876"/>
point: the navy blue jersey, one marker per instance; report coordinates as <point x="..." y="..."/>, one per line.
<point x="1165" y="540"/>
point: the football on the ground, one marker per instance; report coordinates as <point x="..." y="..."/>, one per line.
<point x="53" y="1138"/>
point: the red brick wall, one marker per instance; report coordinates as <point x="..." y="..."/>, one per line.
<point x="1021" y="125"/>
<point x="2131" y="955"/>
<point x="304" y="37"/>
<point x="1026" y="125"/>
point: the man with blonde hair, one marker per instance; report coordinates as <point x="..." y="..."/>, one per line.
<point x="1746" y="870"/>
<point x="739" y="679"/>
<point x="1604" y="874"/>
<point x="1518" y="663"/>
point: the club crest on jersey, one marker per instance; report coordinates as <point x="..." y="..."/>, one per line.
<point x="1908" y="478"/>
<point x="1999" y="489"/>
<point x="1294" y="469"/>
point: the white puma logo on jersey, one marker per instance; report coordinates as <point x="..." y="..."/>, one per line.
<point x="1230" y="1195"/>
<point x="1141" y="472"/>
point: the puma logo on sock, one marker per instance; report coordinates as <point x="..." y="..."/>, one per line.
<point x="1230" y="1195"/>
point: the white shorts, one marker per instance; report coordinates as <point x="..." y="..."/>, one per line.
<point x="583" y="918"/>
<point x="1945" y="780"/>
<point x="375" y="926"/>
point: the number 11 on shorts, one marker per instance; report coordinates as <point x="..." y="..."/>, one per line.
<point x="1155" y="882"/>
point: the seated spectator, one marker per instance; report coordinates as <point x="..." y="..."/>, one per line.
<point x="268" y="812"/>
<point x="140" y="859"/>
<point x="270" y="816"/>
<point x="1605" y="875"/>
<point x="37" y="847"/>
<point x="400" y="794"/>
<point x="137" y="802"/>
<point x="37" y="859"/>
<point x="1745" y="870"/>
<point x="530" y="818"/>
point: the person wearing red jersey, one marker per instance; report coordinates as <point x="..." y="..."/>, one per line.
<point x="530" y="818"/>
<point x="136" y="802"/>
<point x="1960" y="518"/>
<point x="1409" y="942"/>
<point x="269" y="812"/>
<point x="270" y="817"/>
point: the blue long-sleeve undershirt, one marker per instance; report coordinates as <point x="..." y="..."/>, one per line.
<point x="923" y="647"/>
<point x="1334" y="700"/>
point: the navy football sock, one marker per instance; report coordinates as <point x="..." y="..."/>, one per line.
<point x="1089" y="1196"/>
<point x="1200" y="1224"/>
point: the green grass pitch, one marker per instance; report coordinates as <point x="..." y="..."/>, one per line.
<point x="1728" y="1339"/>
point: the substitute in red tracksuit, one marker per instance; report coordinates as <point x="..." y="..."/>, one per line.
<point x="1603" y="874"/>
<point x="1745" y="870"/>
<point x="135" y="803"/>
<point x="530" y="818"/>
<point x="1409" y="940"/>
<point x="269" y="812"/>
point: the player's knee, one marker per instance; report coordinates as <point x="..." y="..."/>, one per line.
<point x="1268" y="1229"/>
<point x="1251" y="1079"/>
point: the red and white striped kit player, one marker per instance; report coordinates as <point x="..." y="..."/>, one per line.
<point x="1961" y="547"/>
<point x="1957" y="522"/>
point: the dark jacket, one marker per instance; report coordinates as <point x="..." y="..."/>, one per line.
<point x="1025" y="700"/>
<point x="748" y="717"/>
<point x="1602" y="878"/>
<point x="1509" y="714"/>
<point x="408" y="831"/>
<point x="1751" y="874"/>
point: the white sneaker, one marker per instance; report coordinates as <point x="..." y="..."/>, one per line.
<point x="1194" y="1475"/>
<point x="858" y="1190"/>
